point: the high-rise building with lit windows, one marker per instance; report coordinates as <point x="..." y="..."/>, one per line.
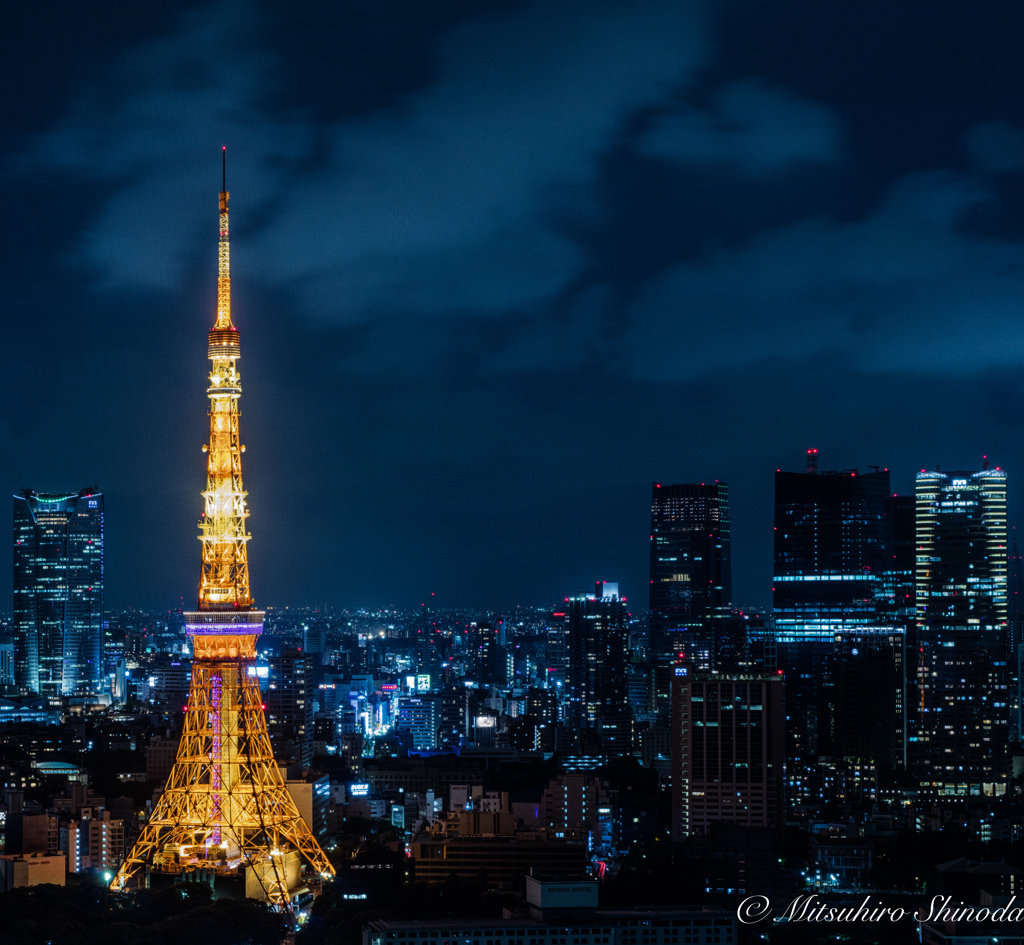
<point x="962" y="700"/>
<point x="728" y="752"/>
<point x="289" y="701"/>
<point x="58" y="592"/>
<point x="598" y="649"/>
<point x="832" y="542"/>
<point x="1015" y="635"/>
<point x="556" y="651"/>
<point x="691" y="577"/>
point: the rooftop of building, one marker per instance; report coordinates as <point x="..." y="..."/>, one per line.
<point x="600" y="917"/>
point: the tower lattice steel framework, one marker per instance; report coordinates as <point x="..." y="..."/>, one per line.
<point x="225" y="808"/>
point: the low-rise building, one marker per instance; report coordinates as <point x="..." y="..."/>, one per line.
<point x="500" y="861"/>
<point x="637" y="927"/>
<point x="33" y="869"/>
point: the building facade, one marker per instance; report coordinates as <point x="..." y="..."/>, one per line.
<point x="58" y="593"/>
<point x="92" y="841"/>
<point x="578" y="805"/>
<point x="419" y="715"/>
<point x="33" y="869"/>
<point x="863" y="718"/>
<point x="832" y="544"/>
<point x="656" y="926"/>
<point x="499" y="861"/>
<point x="962" y="700"/>
<point x="598" y="646"/>
<point x="691" y="576"/>
<point x="7" y="663"/>
<point x="289" y="700"/>
<point x="728" y="752"/>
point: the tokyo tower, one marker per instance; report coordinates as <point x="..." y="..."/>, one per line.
<point x="225" y="813"/>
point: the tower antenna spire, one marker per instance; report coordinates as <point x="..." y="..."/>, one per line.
<point x="224" y="254"/>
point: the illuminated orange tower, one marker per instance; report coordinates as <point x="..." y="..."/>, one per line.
<point x="225" y="810"/>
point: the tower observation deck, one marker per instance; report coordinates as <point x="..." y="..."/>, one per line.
<point x="225" y="813"/>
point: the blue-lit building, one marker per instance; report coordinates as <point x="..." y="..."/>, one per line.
<point x="7" y="663"/>
<point x="419" y="716"/>
<point x="58" y="593"/>
<point x="959" y="742"/>
<point x="833" y="544"/>
<point x="289" y="699"/>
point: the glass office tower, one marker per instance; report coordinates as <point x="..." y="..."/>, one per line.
<point x="691" y="577"/>
<point x="832" y="544"/>
<point x="598" y="643"/>
<point x="962" y="710"/>
<point x="58" y="592"/>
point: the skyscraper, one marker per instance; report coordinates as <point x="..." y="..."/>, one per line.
<point x="691" y="576"/>
<point x="962" y="705"/>
<point x="833" y="542"/>
<point x="896" y="602"/>
<point x="556" y="650"/>
<point x="289" y="700"/>
<point x="486" y="660"/>
<point x="58" y="592"/>
<point x="598" y="647"/>
<point x="1015" y="634"/>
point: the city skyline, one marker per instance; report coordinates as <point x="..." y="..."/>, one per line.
<point x="755" y="603"/>
<point x="501" y="270"/>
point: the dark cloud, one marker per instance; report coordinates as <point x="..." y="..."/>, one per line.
<point x="900" y="290"/>
<point x="750" y="127"/>
<point x="443" y="204"/>
<point x="434" y="206"/>
<point x="997" y="146"/>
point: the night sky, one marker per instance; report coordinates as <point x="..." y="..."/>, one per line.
<point x="497" y="266"/>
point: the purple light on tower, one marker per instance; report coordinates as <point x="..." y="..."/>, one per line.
<point x="215" y="706"/>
